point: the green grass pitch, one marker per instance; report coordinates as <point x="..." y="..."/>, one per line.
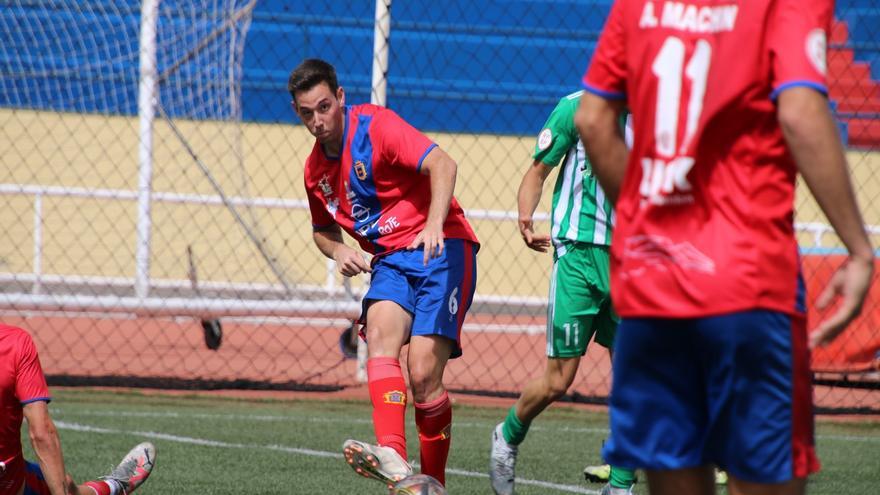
<point x="209" y="445"/>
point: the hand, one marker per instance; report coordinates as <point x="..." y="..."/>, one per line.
<point x="851" y="282"/>
<point x="349" y="261"/>
<point x="70" y="485"/>
<point x="533" y="241"/>
<point x="432" y="238"/>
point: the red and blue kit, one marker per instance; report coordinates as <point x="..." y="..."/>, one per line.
<point x="375" y="191"/>
<point x="704" y="232"/>
<point x="21" y="382"/>
<point x="705" y="212"/>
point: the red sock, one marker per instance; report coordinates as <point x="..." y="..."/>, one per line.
<point x="100" y="487"/>
<point x="434" y="422"/>
<point x="388" y="395"/>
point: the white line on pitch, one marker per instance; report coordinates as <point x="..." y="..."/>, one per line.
<point x="64" y="425"/>
<point x="292" y="418"/>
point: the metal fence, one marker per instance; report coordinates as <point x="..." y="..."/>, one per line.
<point x="151" y="182"/>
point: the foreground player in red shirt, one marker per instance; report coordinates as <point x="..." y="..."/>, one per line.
<point x="23" y="393"/>
<point x="390" y="187"/>
<point x="711" y="361"/>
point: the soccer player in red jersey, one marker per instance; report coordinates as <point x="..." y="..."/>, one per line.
<point x="373" y="175"/>
<point x="24" y="394"/>
<point x="711" y="361"/>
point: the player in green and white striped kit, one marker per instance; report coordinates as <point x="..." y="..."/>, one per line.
<point x="580" y="301"/>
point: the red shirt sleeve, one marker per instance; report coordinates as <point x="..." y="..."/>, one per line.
<point x="797" y="36"/>
<point x="30" y="383"/>
<point x="606" y="74"/>
<point x="400" y="143"/>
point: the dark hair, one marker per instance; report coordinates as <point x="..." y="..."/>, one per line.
<point x="310" y="73"/>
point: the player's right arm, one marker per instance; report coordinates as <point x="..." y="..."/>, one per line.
<point x="557" y="137"/>
<point x="349" y="260"/>
<point x="812" y="138"/>
<point x="527" y="200"/>
<point x="328" y="237"/>
<point x="47" y="446"/>
<point x="32" y="392"/>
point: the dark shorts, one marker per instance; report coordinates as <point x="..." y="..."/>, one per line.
<point x="579" y="305"/>
<point x="34" y="483"/>
<point x="731" y="390"/>
<point x="437" y="295"/>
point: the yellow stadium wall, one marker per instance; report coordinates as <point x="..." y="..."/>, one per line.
<point x="97" y="237"/>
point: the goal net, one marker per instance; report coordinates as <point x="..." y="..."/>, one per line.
<point x="127" y="161"/>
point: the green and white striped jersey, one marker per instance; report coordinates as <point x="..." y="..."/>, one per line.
<point x="580" y="211"/>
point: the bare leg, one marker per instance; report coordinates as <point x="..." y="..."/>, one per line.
<point x="690" y="481"/>
<point x="427" y="360"/>
<point x="428" y="355"/>
<point x="388" y="327"/>
<point x="735" y="486"/>
<point x="546" y="389"/>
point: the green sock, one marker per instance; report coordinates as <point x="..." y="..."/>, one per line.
<point x="622" y="477"/>
<point x="514" y="430"/>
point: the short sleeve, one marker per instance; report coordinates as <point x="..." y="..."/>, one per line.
<point x="606" y="74"/>
<point x="321" y="218"/>
<point x="558" y="134"/>
<point x="30" y="382"/>
<point x="797" y="37"/>
<point x="401" y="144"/>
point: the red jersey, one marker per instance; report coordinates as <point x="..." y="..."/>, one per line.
<point x="374" y="189"/>
<point x="705" y="211"/>
<point x="21" y="382"/>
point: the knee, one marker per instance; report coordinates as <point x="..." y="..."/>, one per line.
<point x="382" y="342"/>
<point x="425" y="383"/>
<point x="557" y="382"/>
<point x="555" y="388"/>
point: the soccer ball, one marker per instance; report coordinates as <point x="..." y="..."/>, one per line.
<point x="418" y="484"/>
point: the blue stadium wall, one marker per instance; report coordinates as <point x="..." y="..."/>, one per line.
<point x="493" y="66"/>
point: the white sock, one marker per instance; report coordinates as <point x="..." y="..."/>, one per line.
<point x="115" y="487"/>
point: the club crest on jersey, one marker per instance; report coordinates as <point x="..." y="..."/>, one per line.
<point x="394" y="397"/>
<point x="817" y="46"/>
<point x="360" y="170"/>
<point x="324" y="185"/>
<point x="544" y="139"/>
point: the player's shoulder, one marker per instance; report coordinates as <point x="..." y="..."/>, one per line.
<point x="12" y="331"/>
<point x="377" y="113"/>
<point x="569" y="102"/>
<point x="15" y="336"/>
<point x="367" y="109"/>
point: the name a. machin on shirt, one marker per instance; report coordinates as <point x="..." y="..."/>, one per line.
<point x="686" y="17"/>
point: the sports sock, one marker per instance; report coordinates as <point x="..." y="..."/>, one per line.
<point x="105" y="487"/>
<point x="622" y="477"/>
<point x="388" y="395"/>
<point x="514" y="430"/>
<point x="434" y="422"/>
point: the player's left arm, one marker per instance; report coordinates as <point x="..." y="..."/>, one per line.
<point x="812" y="138"/>
<point x="598" y="123"/>
<point x="47" y="446"/>
<point x="442" y="171"/>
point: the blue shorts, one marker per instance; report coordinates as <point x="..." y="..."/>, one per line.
<point x="731" y="390"/>
<point x="34" y="482"/>
<point x="437" y="295"/>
